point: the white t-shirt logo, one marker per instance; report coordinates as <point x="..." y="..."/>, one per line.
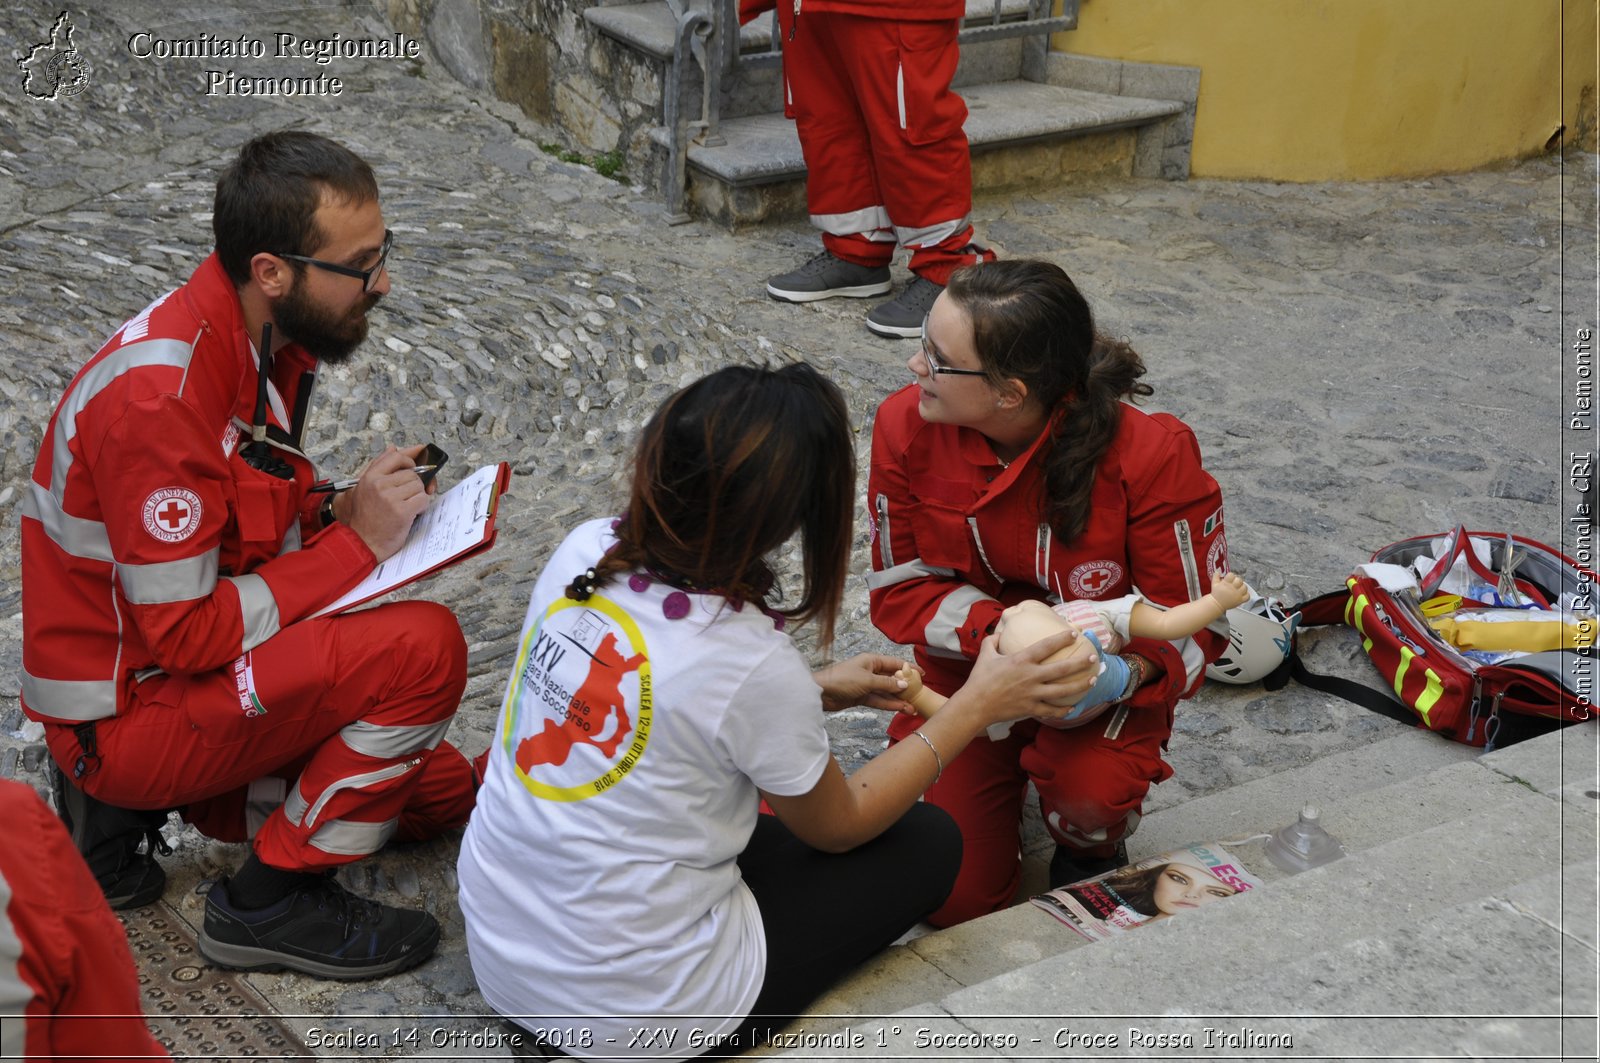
<point x="172" y="514"/>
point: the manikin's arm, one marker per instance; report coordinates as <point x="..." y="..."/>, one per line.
<point x="1146" y="621"/>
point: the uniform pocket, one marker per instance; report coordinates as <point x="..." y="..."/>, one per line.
<point x="929" y="112"/>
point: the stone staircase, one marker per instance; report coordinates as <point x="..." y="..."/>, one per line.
<point x="1034" y="116"/>
<point x="1462" y="923"/>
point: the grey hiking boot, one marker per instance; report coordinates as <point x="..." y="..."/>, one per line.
<point x="826" y="276"/>
<point x="318" y="929"/>
<point x="118" y="844"/>
<point x="902" y="316"/>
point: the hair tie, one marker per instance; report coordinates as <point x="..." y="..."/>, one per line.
<point x="583" y="586"/>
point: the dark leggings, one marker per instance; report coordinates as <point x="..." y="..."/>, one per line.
<point x="824" y="914"/>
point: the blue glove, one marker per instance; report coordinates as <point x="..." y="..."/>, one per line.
<point x="1108" y="687"/>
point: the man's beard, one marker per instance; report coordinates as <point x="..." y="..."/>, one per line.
<point x="326" y="336"/>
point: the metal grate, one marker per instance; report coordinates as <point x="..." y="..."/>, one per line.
<point x="195" y="1009"/>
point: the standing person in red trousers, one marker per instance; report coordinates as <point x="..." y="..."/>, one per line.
<point x="68" y="986"/>
<point x="887" y="163"/>
<point x="172" y="567"/>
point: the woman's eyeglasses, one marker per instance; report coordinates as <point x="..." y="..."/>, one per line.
<point x="933" y="363"/>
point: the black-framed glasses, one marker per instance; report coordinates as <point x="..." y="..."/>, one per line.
<point x="934" y="367"/>
<point x="369" y="277"/>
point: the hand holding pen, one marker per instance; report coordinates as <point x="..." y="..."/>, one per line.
<point x="384" y="500"/>
<point x="335" y="486"/>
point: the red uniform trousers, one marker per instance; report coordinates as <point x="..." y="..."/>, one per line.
<point x="887" y="161"/>
<point x="349" y="711"/>
<point x="1091" y="789"/>
<point x="68" y="986"/>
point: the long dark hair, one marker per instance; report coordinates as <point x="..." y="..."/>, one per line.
<point x="727" y="470"/>
<point x="1030" y="323"/>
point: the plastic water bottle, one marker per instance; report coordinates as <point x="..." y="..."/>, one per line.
<point x="1303" y="844"/>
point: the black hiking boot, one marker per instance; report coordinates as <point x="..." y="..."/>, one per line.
<point x="1069" y="865"/>
<point x="319" y="929"/>
<point x="118" y="844"/>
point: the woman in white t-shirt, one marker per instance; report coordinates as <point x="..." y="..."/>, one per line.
<point x="624" y="895"/>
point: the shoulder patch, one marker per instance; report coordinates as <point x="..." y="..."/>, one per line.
<point x="172" y="514"/>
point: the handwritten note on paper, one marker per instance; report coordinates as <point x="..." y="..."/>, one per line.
<point x="456" y="523"/>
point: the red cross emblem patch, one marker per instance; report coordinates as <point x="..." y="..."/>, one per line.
<point x="1094" y="579"/>
<point x="172" y="514"/>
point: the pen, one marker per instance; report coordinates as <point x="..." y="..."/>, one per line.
<point x="345" y="485"/>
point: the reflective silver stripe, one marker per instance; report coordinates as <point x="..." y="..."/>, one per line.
<point x="885" y="549"/>
<point x="343" y="837"/>
<point x="170" y="581"/>
<point x="262" y="798"/>
<point x="1194" y="660"/>
<point x="1041" y="558"/>
<point x="983" y="555"/>
<point x="1191" y="570"/>
<point x="911" y="570"/>
<point x="940" y="634"/>
<point x="15" y="994"/>
<point x="388" y="742"/>
<point x="70" y="699"/>
<point x="291" y="539"/>
<point x="930" y="235"/>
<point x="258" y="609"/>
<point x="174" y="354"/>
<point x="900" y="92"/>
<point x="866" y="221"/>
<point x="72" y="535"/>
<point x="294" y="806"/>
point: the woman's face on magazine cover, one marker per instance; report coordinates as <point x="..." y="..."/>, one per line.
<point x="1182" y="886"/>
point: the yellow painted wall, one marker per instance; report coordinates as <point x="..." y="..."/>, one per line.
<point x="1308" y="90"/>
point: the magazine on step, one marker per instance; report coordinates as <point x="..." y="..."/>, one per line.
<point x="1148" y="891"/>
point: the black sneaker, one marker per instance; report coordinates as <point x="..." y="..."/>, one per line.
<point x="903" y="315"/>
<point x="319" y="929"/>
<point x="826" y="276"/>
<point x="118" y="844"/>
<point x="1069" y="865"/>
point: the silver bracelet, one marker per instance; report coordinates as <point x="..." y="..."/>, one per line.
<point x="1135" y="676"/>
<point x="937" y="759"/>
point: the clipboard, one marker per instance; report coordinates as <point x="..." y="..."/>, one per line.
<point x="459" y="524"/>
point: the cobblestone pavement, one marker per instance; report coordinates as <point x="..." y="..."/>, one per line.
<point x="1361" y="362"/>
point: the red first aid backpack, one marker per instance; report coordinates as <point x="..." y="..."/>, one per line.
<point x="1432" y="683"/>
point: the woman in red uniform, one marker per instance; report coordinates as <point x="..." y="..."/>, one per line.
<point x="1014" y="468"/>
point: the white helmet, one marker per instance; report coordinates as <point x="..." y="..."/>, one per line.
<point x="1260" y="637"/>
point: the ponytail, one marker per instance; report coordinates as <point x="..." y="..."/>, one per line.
<point x="1082" y="429"/>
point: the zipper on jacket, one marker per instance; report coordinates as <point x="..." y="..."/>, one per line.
<point x="972" y="522"/>
<point x="885" y="550"/>
<point x="1191" y="570"/>
<point x="1041" y="557"/>
<point x="795" y="23"/>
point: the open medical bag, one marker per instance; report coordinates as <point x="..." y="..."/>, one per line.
<point x="1437" y="614"/>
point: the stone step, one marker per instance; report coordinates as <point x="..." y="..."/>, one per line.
<point x="1429" y="825"/>
<point x="758" y="172"/>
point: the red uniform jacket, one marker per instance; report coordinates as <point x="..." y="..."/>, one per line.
<point x="148" y="544"/>
<point x="63" y="955"/>
<point x="901" y="10"/>
<point x="956" y="538"/>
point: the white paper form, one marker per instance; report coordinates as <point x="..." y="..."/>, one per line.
<point x="453" y="525"/>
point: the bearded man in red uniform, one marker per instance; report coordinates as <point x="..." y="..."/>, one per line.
<point x="172" y="568"/>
